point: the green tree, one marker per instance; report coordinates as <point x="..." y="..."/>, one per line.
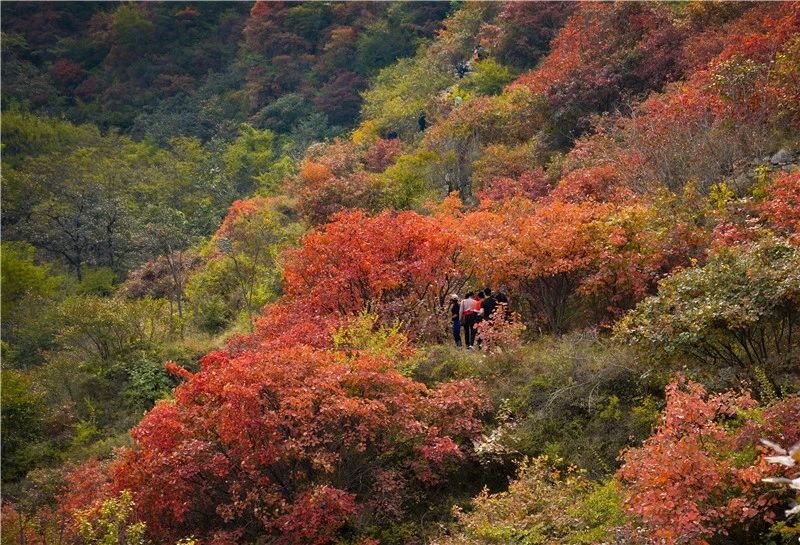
<point x="544" y="505"/>
<point x="410" y="180"/>
<point x="488" y="77"/>
<point x="131" y="28"/>
<point x="166" y="235"/>
<point x="250" y="158"/>
<point x="23" y="278"/>
<point x="97" y="200"/>
<point x="23" y="425"/>
<point x="251" y="239"/>
<point x="76" y="205"/>
<point x="382" y="43"/>
<point x="29" y="293"/>
<point x="402" y="91"/>
<point x="105" y="328"/>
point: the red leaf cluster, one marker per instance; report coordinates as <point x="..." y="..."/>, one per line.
<point x="693" y="478"/>
<point x="289" y="443"/>
<point x="782" y="206"/>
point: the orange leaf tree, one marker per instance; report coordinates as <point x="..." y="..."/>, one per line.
<point x="399" y="265"/>
<point x="540" y="250"/>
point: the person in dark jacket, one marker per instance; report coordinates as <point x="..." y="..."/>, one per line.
<point x="455" y="310"/>
<point x="489" y="304"/>
<point x="477" y="317"/>
<point x="502" y="299"/>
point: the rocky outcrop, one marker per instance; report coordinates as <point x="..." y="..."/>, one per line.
<point x="783" y="157"/>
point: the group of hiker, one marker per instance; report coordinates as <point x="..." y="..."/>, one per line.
<point x="468" y="312"/>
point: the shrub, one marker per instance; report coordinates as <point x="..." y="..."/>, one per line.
<point x="699" y="476"/>
<point x="502" y="332"/>
<point x="740" y="310"/>
<point x="298" y="444"/>
<point x="544" y="505"/>
<point x="110" y="523"/>
<point x="577" y="398"/>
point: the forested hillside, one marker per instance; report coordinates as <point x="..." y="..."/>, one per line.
<point x="232" y="231"/>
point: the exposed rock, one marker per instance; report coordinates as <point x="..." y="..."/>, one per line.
<point x="742" y="181"/>
<point x="782" y="157"/>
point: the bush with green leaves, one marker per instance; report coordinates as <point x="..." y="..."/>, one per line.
<point x="408" y="183"/>
<point x="106" y="328"/>
<point x="488" y="77"/>
<point x="30" y="291"/>
<point x="739" y="313"/>
<point x="543" y="506"/>
<point x="23" y="425"/>
<point x="578" y="398"/>
<point x="103" y="366"/>
<point x="364" y="334"/>
<point x="111" y="523"/>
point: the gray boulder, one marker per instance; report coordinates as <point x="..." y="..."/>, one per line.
<point x="782" y="157"/>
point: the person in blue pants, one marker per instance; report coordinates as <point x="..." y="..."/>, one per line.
<point x="455" y="310"/>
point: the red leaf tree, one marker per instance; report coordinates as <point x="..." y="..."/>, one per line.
<point x="399" y="265"/>
<point x="782" y="206"/>
<point x="699" y="475"/>
<point x="292" y="444"/>
<point x="541" y="251"/>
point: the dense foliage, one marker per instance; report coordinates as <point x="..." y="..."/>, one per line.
<point x="231" y="233"/>
<point x="701" y="473"/>
<point x="168" y="69"/>
<point x="306" y="444"/>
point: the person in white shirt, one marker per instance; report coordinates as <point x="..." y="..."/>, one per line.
<point x="467" y="315"/>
